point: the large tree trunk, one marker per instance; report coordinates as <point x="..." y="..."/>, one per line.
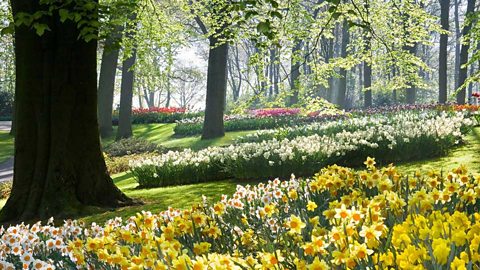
<point x="216" y="90"/>
<point x="106" y="84"/>
<point x="443" y="53"/>
<point x="294" y="73"/>
<point x="342" y="82"/>
<point x="59" y="167"/>
<point x="462" y="74"/>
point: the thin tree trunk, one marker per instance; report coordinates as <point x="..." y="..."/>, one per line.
<point x="126" y="89"/>
<point x="59" y="167"/>
<point x="106" y="84"/>
<point x="294" y="74"/>
<point x="411" y="91"/>
<point x="140" y="101"/>
<point x="216" y="89"/>
<point x="169" y="76"/>
<point x="470" y="85"/>
<point x="443" y="53"/>
<point x="342" y="82"/>
<point x="458" y="36"/>
<point x="367" y="83"/>
<point x="126" y="95"/>
<point x="462" y="74"/>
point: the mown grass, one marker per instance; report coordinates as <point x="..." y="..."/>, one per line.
<point x="159" y="199"/>
<point x="467" y="154"/>
<point x="163" y="134"/>
<point x="6" y="146"/>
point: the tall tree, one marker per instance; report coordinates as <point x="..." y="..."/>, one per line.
<point x="126" y="88"/>
<point x="216" y="89"/>
<point x="411" y="91"/>
<point x="295" y="73"/>
<point x="462" y="74"/>
<point x="106" y="84"/>
<point x="342" y="82"/>
<point x="367" y="84"/>
<point x="216" y="79"/>
<point x="458" y="36"/>
<point x="59" y="166"/>
<point x="443" y="52"/>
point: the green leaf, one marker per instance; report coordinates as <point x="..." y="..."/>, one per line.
<point x="250" y="13"/>
<point x="37" y="15"/>
<point x="89" y="37"/>
<point x="40" y="28"/>
<point x="9" y="30"/>
<point x="64" y="14"/>
<point x="263" y="27"/>
<point x="276" y="14"/>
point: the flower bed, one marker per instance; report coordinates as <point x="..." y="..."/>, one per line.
<point x="262" y="119"/>
<point x="159" y="115"/>
<point x="274" y="112"/>
<point x="403" y="136"/>
<point x="238" y="123"/>
<point x="339" y="219"/>
<point x="258" y="120"/>
<point x="351" y="124"/>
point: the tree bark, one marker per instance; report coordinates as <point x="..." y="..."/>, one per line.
<point x="342" y="82"/>
<point x="411" y="91"/>
<point x="126" y="95"/>
<point x="216" y="90"/>
<point x="106" y="84"/>
<point x="367" y="83"/>
<point x="443" y="53"/>
<point x="126" y="88"/>
<point x="462" y="74"/>
<point x="59" y="167"/>
<point x="458" y="36"/>
<point x="294" y="73"/>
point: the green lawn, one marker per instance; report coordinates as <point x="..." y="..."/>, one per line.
<point x="158" y="199"/>
<point x="163" y="134"/>
<point x="6" y="146"/>
<point x="467" y="154"/>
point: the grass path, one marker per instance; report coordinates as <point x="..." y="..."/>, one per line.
<point x="158" y="199"/>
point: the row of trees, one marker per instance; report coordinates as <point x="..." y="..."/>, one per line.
<point x="341" y="51"/>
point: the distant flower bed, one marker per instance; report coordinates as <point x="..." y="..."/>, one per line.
<point x="258" y="120"/>
<point x="274" y="112"/>
<point x="401" y="136"/>
<point x="350" y="124"/>
<point x="166" y="110"/>
<point x="159" y="115"/>
<point x="272" y="118"/>
<point x="339" y="219"/>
